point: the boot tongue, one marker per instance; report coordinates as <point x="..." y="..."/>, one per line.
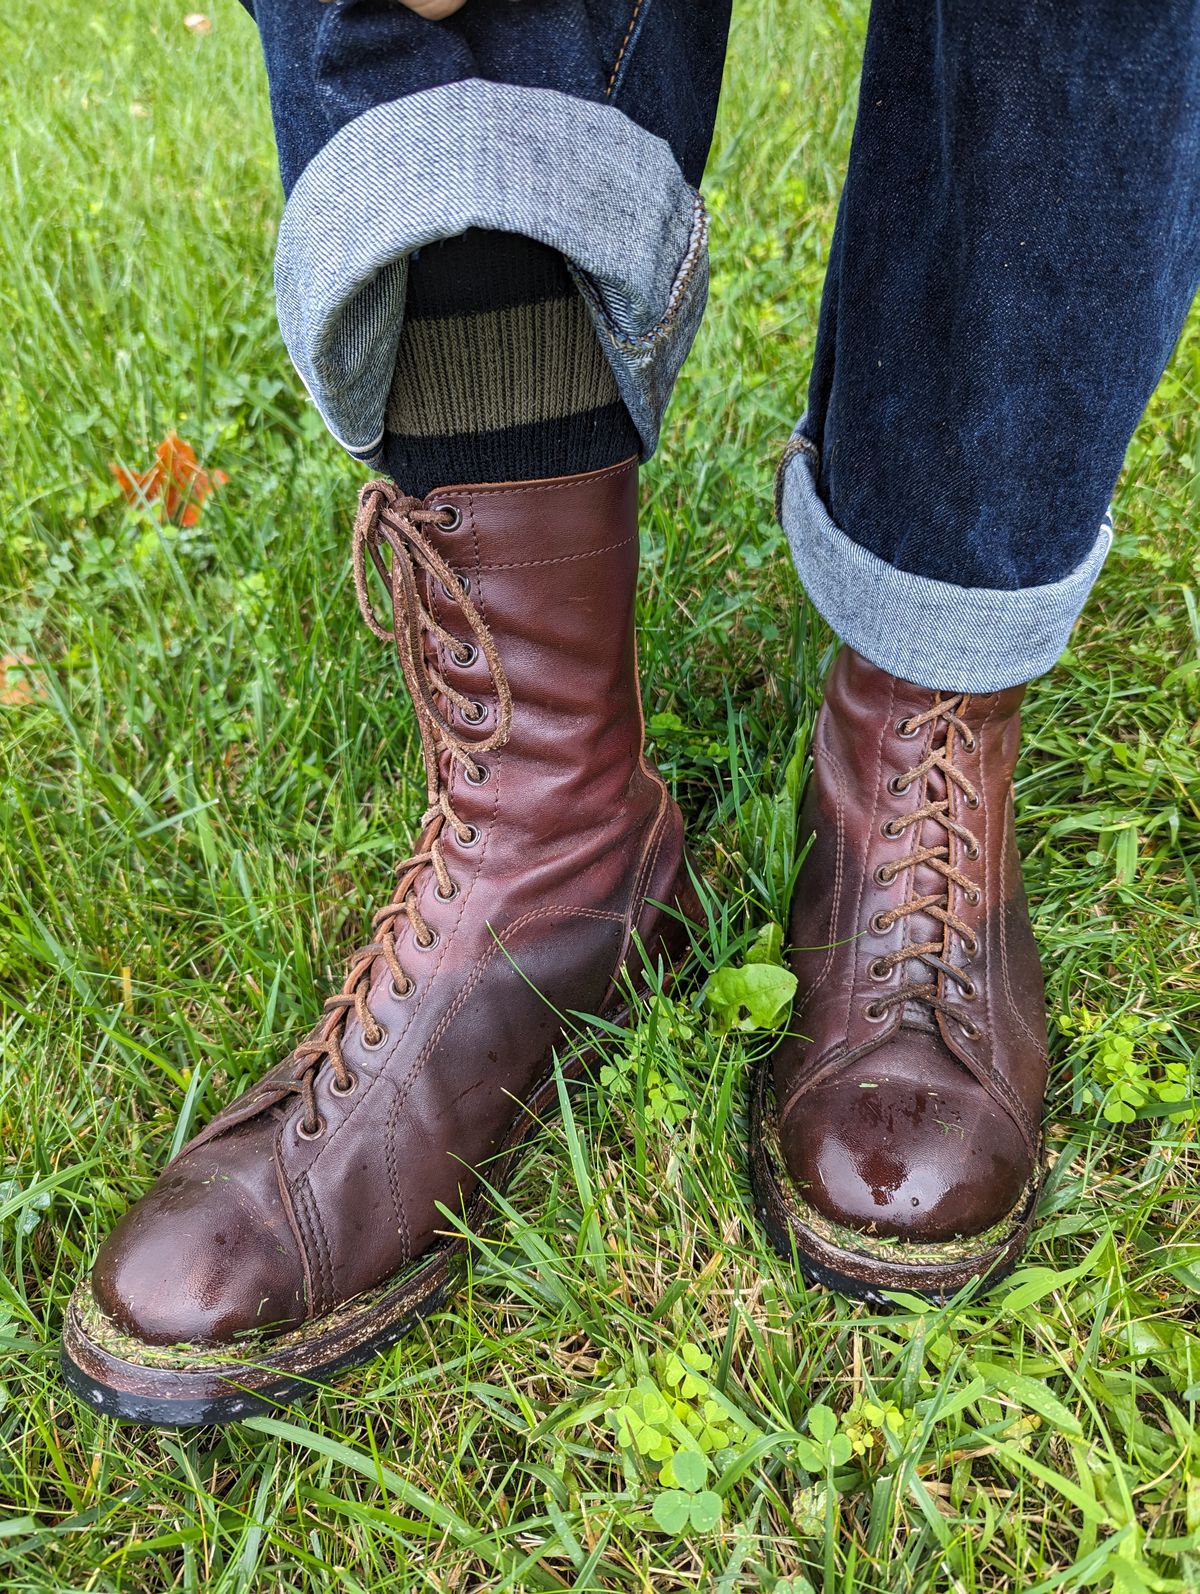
<point x="923" y="928"/>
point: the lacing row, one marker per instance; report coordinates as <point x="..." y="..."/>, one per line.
<point x="390" y="521"/>
<point x="931" y="954"/>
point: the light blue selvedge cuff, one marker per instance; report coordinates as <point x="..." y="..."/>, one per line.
<point x="577" y="175"/>
<point x="946" y="638"/>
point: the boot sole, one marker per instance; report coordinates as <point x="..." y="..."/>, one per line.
<point x="862" y="1271"/>
<point x="183" y="1388"/>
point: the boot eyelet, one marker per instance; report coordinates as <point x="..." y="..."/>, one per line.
<point x="465" y="656"/>
<point x="303" y="1132"/>
<point x="906" y="730"/>
<point x="969" y="991"/>
<point x="475" y="714"/>
<point x="376" y="1045"/>
<point x="969" y="746"/>
<point x="450" y="516"/>
<point x="973" y="897"/>
<point x="878" y="926"/>
<point x="446" y="896"/>
<point x="878" y="969"/>
<point x="971" y="1031"/>
<point x="875" y="1012"/>
<point x="972" y="801"/>
<point x="426" y="946"/>
<point x="883" y="875"/>
<point x="472" y="839"/>
<point x="972" y="947"/>
<point x="464" y="585"/>
<point x="481" y="779"/>
<point x="348" y="1088"/>
<point x="398" y="995"/>
<point x="971" y="849"/>
<point x="897" y="786"/>
<point x="891" y="830"/>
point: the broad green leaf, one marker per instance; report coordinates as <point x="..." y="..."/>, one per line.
<point x="767" y="946"/>
<point x="755" y="996"/>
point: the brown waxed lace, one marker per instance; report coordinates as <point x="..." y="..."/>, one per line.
<point x="388" y="518"/>
<point x="937" y="905"/>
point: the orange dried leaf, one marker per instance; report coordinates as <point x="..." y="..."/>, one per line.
<point x="176" y="480"/>
<point x="17" y="685"/>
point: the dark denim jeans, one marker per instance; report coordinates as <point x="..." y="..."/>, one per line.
<point x="1016" y="249"/>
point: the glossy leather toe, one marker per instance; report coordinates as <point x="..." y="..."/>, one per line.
<point x="205" y="1255"/>
<point x="906" y="1145"/>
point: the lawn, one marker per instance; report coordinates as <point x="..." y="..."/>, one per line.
<point x="208" y="768"/>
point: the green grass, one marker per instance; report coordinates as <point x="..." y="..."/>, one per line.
<point x="201" y="799"/>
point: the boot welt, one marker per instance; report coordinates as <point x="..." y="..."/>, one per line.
<point x="186" y="1387"/>
<point x="861" y="1266"/>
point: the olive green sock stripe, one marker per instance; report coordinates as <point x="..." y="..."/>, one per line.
<point x="498" y="369"/>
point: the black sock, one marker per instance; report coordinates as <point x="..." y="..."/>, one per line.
<point x="499" y="375"/>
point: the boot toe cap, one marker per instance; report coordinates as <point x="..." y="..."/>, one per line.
<point x="202" y="1258"/>
<point x="906" y="1146"/>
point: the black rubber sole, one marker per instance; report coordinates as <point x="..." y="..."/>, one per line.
<point x="241" y="1401"/>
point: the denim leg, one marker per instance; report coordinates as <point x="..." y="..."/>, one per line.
<point x="1017" y="246"/>
<point x="582" y="123"/>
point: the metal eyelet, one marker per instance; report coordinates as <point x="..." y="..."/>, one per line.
<point x="875" y="1012"/>
<point x="878" y="969"/>
<point x="890" y="830"/>
<point x="401" y="996"/>
<point x="303" y="1132"/>
<point x="465" y="656"/>
<point x="481" y="779"/>
<point x="883" y="875"/>
<point x="971" y="849"/>
<point x="968" y="990"/>
<point x="464" y="585"/>
<point x="375" y="1046"/>
<point x="971" y="745"/>
<point x="897" y="786"/>
<point x="446" y="896"/>
<point x="348" y="1088"/>
<point x="427" y="946"/>
<point x="972" y="801"/>
<point x="971" y="949"/>
<point x="905" y="730"/>
<point x="472" y="839"/>
<point x="973" y="897"/>
<point x="451" y="516"/>
<point x="478" y="716"/>
<point x="878" y="927"/>
<point x="970" y="1030"/>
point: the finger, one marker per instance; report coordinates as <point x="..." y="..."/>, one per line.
<point x="434" y="10"/>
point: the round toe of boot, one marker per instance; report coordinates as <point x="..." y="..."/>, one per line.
<point x="911" y="1148"/>
<point x="201" y="1260"/>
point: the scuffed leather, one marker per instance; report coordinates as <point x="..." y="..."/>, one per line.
<point x="577" y="840"/>
<point x="914" y="1127"/>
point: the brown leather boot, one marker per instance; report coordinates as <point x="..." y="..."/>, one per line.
<point x="896" y="1138"/>
<point x="300" y="1231"/>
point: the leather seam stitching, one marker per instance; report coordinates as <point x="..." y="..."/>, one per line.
<point x="403" y="1093"/>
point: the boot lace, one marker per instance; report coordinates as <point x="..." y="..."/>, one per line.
<point x="389" y="531"/>
<point x="932" y="955"/>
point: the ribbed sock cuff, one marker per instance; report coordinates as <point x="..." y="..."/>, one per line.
<point x="499" y="372"/>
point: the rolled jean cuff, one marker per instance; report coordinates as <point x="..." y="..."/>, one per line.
<point x="577" y="175"/>
<point x="933" y="633"/>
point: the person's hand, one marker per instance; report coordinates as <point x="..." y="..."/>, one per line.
<point x="434" y="10"/>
